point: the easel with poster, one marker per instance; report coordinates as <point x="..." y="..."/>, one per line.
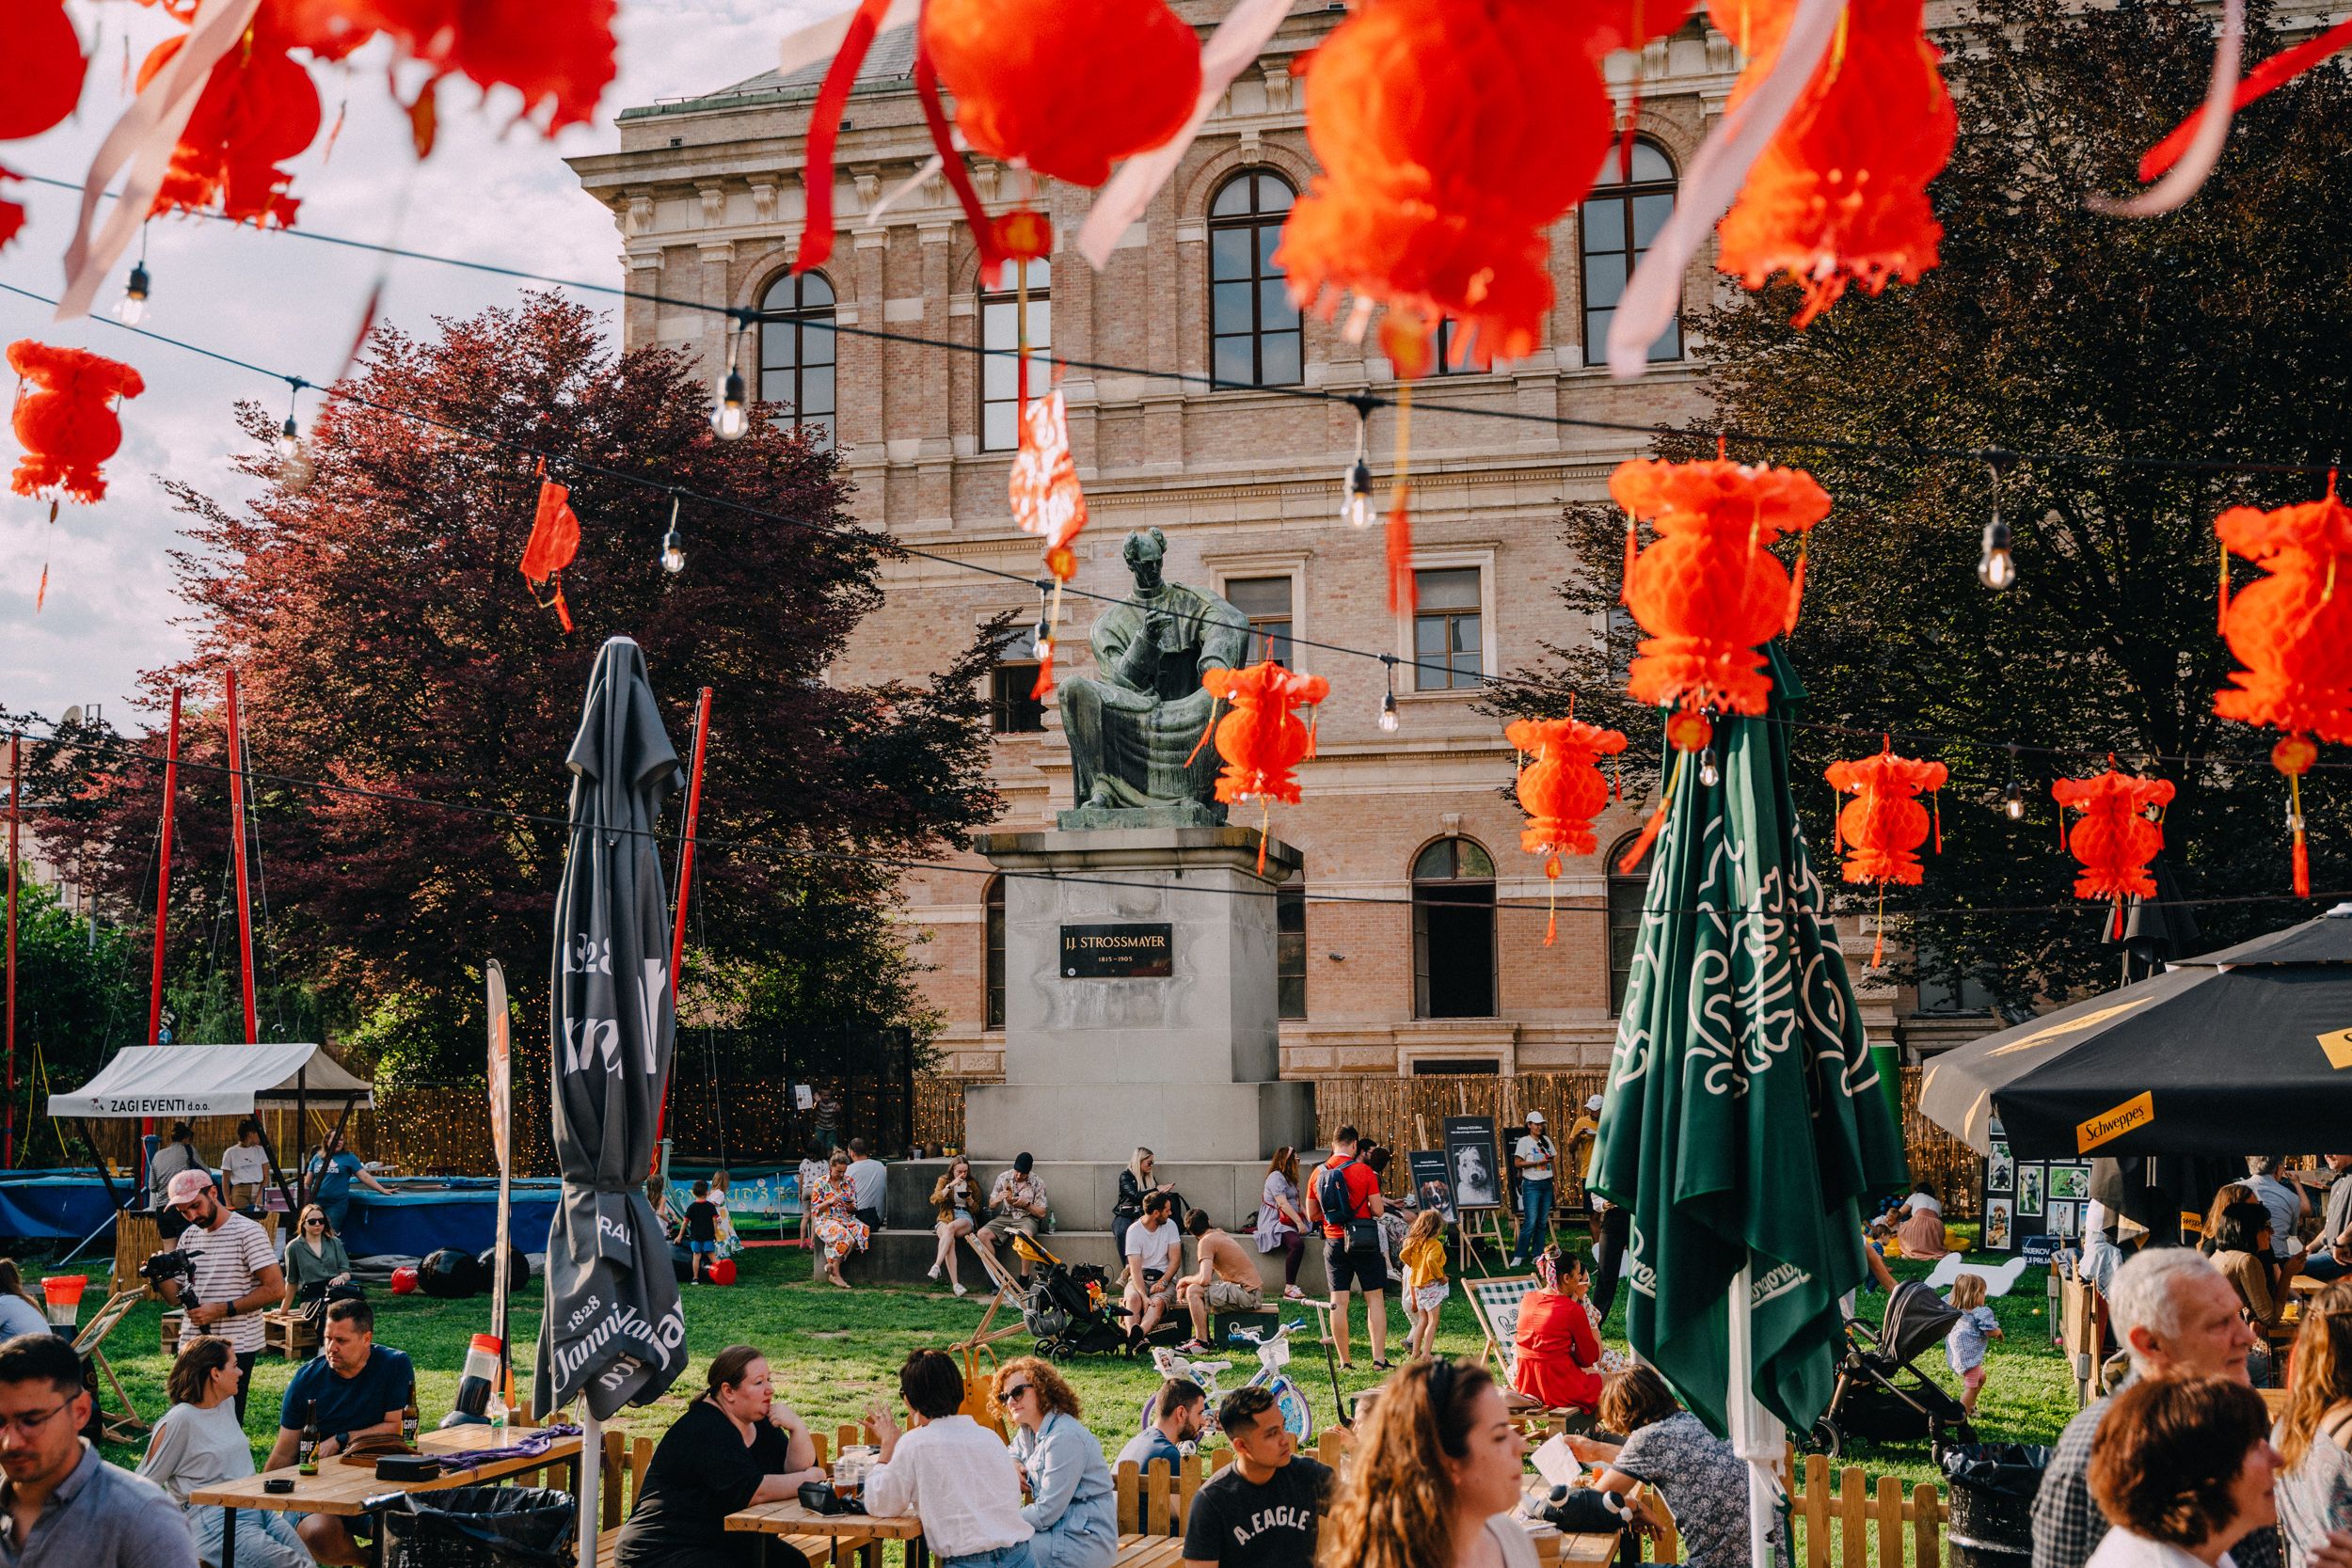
<point x="2032" y="1206"/>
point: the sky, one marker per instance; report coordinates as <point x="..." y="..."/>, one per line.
<point x="489" y="193"/>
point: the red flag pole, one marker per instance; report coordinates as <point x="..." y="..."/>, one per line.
<point x="236" y="826"/>
<point x="16" y="804"/>
<point x="162" y="908"/>
<point x="685" y="884"/>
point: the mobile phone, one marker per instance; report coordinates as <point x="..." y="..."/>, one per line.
<point x="279" y="1484"/>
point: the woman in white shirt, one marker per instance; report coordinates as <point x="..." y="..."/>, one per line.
<point x="2182" y="1469"/>
<point x="949" y="1471"/>
<point x="1408" y="1505"/>
<point x="199" y="1443"/>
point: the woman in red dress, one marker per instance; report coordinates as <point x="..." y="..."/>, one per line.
<point x="1557" y="1350"/>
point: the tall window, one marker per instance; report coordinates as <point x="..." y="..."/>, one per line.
<point x="1454" y="930"/>
<point x="796" y="351"/>
<point x="1000" y="368"/>
<point x="1616" y="224"/>
<point x="1449" y="646"/>
<point x="1012" y="709"/>
<point x="1253" y="326"/>
<point x="1626" y="891"/>
<point x="1267" y="603"/>
<point x="1290" y="949"/>
<point x="994" y="960"/>
<point x="1944" y="989"/>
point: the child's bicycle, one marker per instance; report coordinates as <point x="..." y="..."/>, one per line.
<point x="1274" y="1353"/>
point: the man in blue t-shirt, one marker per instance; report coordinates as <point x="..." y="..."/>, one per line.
<point x="1178" y="1416"/>
<point x="328" y="1178"/>
<point x="358" y="1388"/>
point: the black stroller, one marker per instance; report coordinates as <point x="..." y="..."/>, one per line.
<point x="1881" y="1396"/>
<point x="1069" y="1308"/>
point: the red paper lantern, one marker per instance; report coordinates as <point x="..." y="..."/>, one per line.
<point x="1451" y="134"/>
<point x="1261" y="740"/>
<point x="1882" y="827"/>
<point x="66" y="418"/>
<point x="1561" y="789"/>
<point x="41" y="67"/>
<point x="1708" y="591"/>
<point x="1840" y="195"/>
<point x="559" y="57"/>
<point x="2115" y="840"/>
<point x="553" y="544"/>
<point x="258" y="109"/>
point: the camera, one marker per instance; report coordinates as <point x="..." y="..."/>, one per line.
<point x="176" y="1265"/>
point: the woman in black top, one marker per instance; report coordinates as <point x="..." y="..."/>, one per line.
<point x="1135" y="1183"/>
<point x="734" y="1447"/>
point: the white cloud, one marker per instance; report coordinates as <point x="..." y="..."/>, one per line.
<point x="492" y="192"/>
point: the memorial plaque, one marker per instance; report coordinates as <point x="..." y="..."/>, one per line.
<point x="1139" y="952"/>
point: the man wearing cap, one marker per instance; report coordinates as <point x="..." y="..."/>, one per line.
<point x="236" y="1280"/>
<point x="1532" y="1157"/>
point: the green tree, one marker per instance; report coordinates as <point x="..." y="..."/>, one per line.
<point x="2217" y="338"/>
<point x="78" y="983"/>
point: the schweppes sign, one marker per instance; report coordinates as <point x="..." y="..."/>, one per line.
<point x="2108" y="1126"/>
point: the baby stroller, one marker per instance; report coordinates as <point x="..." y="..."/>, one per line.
<point x="1069" y="1308"/>
<point x="1873" y="1400"/>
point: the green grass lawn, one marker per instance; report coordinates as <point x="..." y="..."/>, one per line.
<point x="836" y="1352"/>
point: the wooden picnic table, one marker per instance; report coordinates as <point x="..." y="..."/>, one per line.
<point x="351" y="1491"/>
<point x="865" y="1530"/>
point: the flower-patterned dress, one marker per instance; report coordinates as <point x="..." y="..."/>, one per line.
<point x="837" y="1225"/>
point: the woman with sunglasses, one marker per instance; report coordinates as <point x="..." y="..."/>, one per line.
<point x="316" y="1255"/>
<point x="1070" y="1503"/>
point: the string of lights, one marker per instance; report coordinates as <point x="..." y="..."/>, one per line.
<point x="673" y="557"/>
<point x="137" y="756"/>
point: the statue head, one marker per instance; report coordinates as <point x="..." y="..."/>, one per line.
<point x="1146" y="550"/>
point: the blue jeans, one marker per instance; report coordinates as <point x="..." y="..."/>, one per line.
<point x="2319" y="1265"/>
<point x="1015" y="1556"/>
<point x="1534" y="1216"/>
<point x="263" y="1540"/>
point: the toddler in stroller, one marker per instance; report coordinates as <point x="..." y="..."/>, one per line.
<point x="1067" y="1307"/>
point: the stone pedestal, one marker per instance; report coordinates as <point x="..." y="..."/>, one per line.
<point x="1187" y="1062"/>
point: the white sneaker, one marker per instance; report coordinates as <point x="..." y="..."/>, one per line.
<point x="961" y="1291"/>
<point x="932" y="1273"/>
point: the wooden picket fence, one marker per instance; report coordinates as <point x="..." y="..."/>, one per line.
<point x="1853" y="1516"/>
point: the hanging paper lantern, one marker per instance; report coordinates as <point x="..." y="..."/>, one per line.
<point x="1561" y="790"/>
<point x="1840" y="195"/>
<point x="64" y="419"/>
<point x="1708" y="591"/>
<point x="258" y="109"/>
<point x="1451" y="134"/>
<point x="2115" y="840"/>
<point x="553" y="544"/>
<point x="1262" y="739"/>
<point x="1064" y="89"/>
<point x="1046" y="499"/>
<point x="41" y="67"/>
<point x="1882" y="827"/>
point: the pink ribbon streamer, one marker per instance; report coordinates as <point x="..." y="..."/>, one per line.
<point x="142" y="140"/>
<point x="1717" y="171"/>
<point x="2213" y="132"/>
<point x="1233" y="46"/>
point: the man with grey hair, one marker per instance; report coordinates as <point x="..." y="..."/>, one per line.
<point x="2178" y="1316"/>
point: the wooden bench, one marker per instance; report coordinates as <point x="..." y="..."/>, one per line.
<point x="288" y="1331"/>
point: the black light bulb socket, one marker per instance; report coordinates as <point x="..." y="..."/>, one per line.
<point x="1359" y="479"/>
<point x="137" y="287"/>
<point x="732" y="396"/>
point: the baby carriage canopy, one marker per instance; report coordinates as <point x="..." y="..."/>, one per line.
<point x="1916" y="1319"/>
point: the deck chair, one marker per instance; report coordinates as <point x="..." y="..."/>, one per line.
<point x="122" y="1424"/>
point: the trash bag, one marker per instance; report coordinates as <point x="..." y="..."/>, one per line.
<point x="1993" y="1487"/>
<point x="481" y="1526"/>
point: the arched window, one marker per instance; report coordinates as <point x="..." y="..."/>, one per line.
<point x="994" y="960"/>
<point x="1626" y="891"/>
<point x="1254" y="336"/>
<point x="1000" y="368"/>
<point x="796" y="350"/>
<point x="1614" y="228"/>
<point x="1454" y="930"/>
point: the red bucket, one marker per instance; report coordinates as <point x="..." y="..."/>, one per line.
<point x="63" y="1292"/>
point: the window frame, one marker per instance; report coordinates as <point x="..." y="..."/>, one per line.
<point x="1409" y="688"/>
<point x="1260" y="260"/>
<point x="1415" y="882"/>
<point x="1596" y="346"/>
<point x="798" y="317"/>
<point x="1256" y="649"/>
<point x="993" y="945"/>
<point x="1012" y="641"/>
<point x="1291" y="895"/>
<point x="1615" y="881"/>
<point x="1225" y="570"/>
<point x="1041" y="353"/>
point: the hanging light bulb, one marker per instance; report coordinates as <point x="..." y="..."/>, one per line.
<point x="2013" y="793"/>
<point x="673" y="543"/>
<point x="1388" y="713"/>
<point x="289" y="441"/>
<point x="730" y="419"/>
<point x="1041" y="641"/>
<point x="1996" y="569"/>
<point x="132" y="306"/>
<point x="1710" y="770"/>
<point x="1356" y="484"/>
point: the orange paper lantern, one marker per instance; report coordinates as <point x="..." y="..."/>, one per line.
<point x="64" y="419"/>
<point x="1262" y="741"/>
<point x="258" y="109"/>
<point x="1708" y="591"/>
<point x="2115" y="840"/>
<point x="1882" y="827"/>
<point x="559" y="56"/>
<point x="1561" y="789"/>
<point x="1840" y="195"/>
<point x="554" y="542"/>
<point x="41" y="67"/>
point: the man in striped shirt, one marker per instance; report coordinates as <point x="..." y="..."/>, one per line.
<point x="237" y="1277"/>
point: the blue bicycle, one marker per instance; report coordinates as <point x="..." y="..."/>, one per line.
<point x="1274" y="1353"/>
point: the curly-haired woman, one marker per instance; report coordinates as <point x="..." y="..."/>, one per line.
<point x="1070" y="1503"/>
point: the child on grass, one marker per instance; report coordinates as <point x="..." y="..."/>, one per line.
<point x="1965" y="1346"/>
<point x="1425" y="1287"/>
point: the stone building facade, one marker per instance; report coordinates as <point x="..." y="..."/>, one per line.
<point x="1419" y="945"/>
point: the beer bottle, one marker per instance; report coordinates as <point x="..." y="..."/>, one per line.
<point x="306" y="1446"/>
<point x="408" y="1416"/>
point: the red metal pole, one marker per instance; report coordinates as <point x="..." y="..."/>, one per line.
<point x="16" y="802"/>
<point x="163" y="904"/>
<point x="236" y="825"/>
<point x="685" y="884"/>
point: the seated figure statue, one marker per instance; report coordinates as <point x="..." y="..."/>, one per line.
<point x="1134" y="723"/>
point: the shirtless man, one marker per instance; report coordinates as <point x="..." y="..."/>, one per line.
<point x="1226" y="1281"/>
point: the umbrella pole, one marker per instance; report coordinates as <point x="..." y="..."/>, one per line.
<point x="1758" y="1437"/>
<point x="591" y="1481"/>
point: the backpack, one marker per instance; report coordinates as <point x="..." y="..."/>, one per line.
<point x="1332" y="1196"/>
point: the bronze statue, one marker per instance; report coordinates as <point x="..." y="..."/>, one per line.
<point x="1136" y="721"/>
